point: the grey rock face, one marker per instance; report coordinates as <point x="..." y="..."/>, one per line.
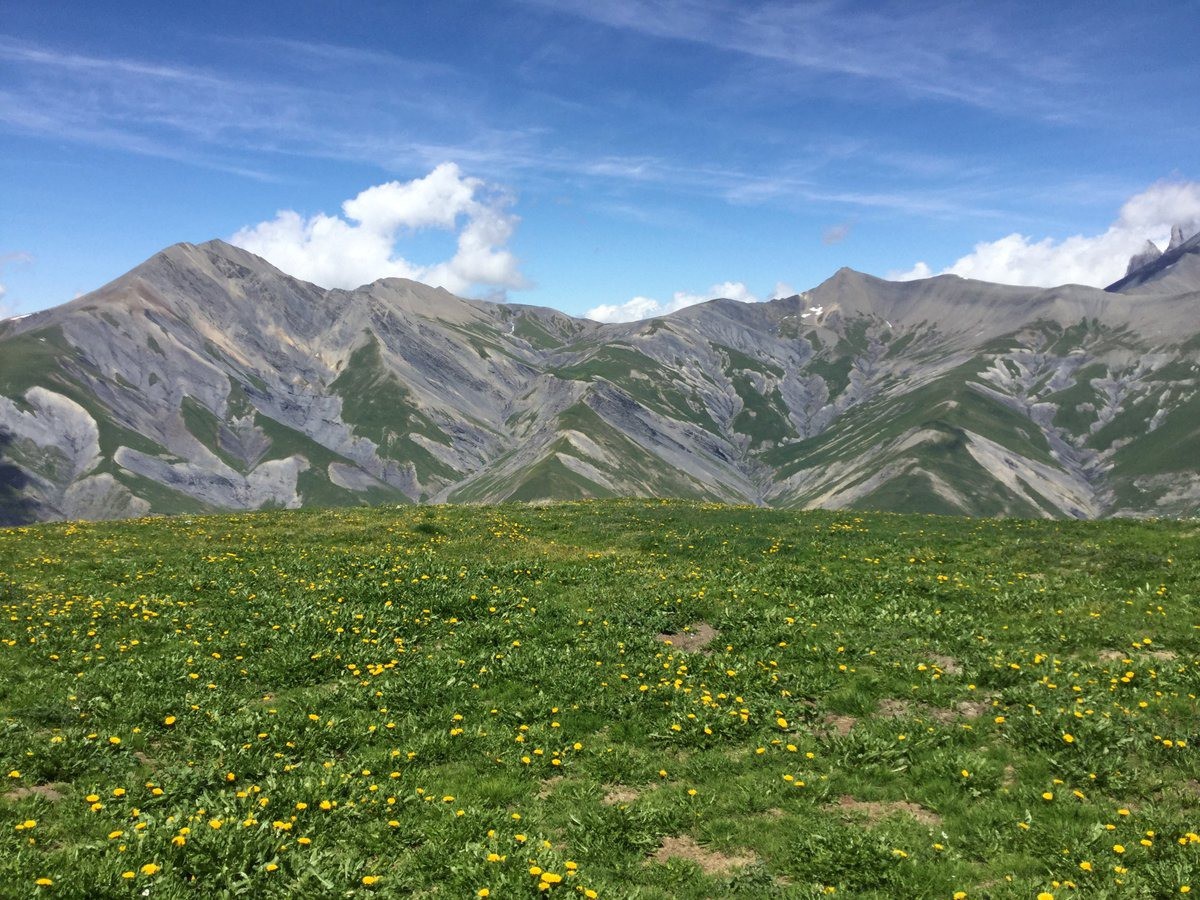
<point x="207" y="380"/>
<point x="1176" y="271"/>
<point x="1148" y="254"/>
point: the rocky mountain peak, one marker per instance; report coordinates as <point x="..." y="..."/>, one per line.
<point x="1148" y="254"/>
<point x="1174" y="271"/>
<point x="207" y="379"/>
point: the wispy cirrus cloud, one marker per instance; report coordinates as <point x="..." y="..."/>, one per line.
<point x="899" y="44"/>
<point x="229" y="121"/>
<point x="250" y="126"/>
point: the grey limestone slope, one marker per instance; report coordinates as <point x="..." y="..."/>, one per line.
<point x="206" y="379"/>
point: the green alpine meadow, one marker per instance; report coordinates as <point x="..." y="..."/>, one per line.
<point x="599" y="699"/>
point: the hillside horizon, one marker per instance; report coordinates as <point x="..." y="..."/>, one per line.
<point x="208" y="379"/>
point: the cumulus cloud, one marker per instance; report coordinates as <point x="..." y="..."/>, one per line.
<point x="920" y="270"/>
<point x="647" y="307"/>
<point x="360" y="245"/>
<point x="1096" y="260"/>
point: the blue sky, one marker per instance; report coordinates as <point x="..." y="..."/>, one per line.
<point x="628" y="156"/>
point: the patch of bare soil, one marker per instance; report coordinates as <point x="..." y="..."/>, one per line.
<point x="693" y="638"/>
<point x="836" y="724"/>
<point x="875" y="811"/>
<point x="711" y="862"/>
<point x="895" y="709"/>
<point x="45" y="791"/>
<point x="620" y="795"/>
<point x="962" y="709"/>
<point x="547" y="787"/>
<point x="1121" y="655"/>
<point x="973" y="709"/>
<point x="947" y="664"/>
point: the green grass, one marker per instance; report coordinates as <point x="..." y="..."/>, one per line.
<point x="739" y="360"/>
<point x="644" y="379"/>
<point x="551" y="478"/>
<point x="35" y="359"/>
<point x="206" y="428"/>
<point x="28" y="359"/>
<point x="376" y="403"/>
<point x="526" y="326"/>
<point x="447" y="699"/>
<point x="616" y="363"/>
<point x="548" y="478"/>
<point x="760" y="417"/>
<point x="949" y="404"/>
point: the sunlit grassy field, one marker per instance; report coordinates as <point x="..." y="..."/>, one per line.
<point x="610" y="699"/>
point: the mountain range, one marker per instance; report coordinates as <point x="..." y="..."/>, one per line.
<point x="206" y="379"/>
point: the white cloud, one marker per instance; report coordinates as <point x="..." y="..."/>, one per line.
<point x="631" y="310"/>
<point x="920" y="270"/>
<point x="1097" y="260"/>
<point x="360" y="245"/>
<point x="647" y="307"/>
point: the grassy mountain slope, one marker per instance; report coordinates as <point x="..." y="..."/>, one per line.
<point x="226" y="384"/>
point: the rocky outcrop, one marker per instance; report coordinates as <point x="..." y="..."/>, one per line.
<point x="1148" y="254"/>
<point x="208" y="380"/>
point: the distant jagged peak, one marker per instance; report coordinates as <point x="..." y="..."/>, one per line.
<point x="1148" y="254"/>
<point x="1175" y="270"/>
